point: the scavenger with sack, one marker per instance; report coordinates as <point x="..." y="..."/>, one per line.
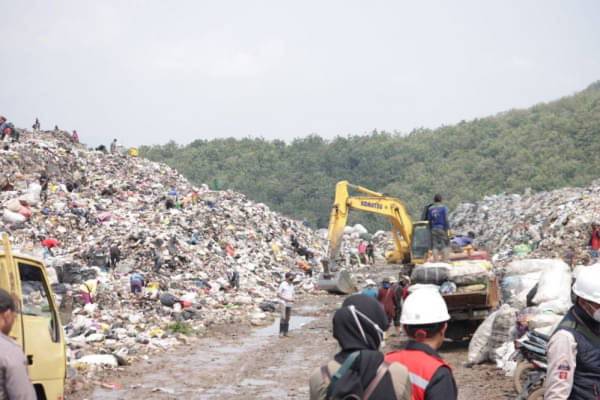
<point x="359" y="371"/>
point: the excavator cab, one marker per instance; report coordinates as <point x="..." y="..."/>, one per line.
<point x="421" y="242"/>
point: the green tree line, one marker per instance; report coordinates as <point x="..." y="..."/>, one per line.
<point x="545" y="147"/>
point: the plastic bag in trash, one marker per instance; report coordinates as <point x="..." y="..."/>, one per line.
<point x="167" y="299"/>
<point x="267" y="306"/>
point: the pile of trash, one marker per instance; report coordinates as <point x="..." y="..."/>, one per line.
<point x="185" y="242"/>
<point x="552" y="224"/>
<point x="536" y="294"/>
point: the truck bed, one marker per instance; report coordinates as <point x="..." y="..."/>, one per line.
<point x="466" y="305"/>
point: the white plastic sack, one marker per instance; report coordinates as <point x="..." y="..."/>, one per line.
<point x="555" y="283"/>
<point x="52" y="276"/>
<point x="468" y="274"/>
<point x="99" y="359"/>
<point x="479" y="345"/>
<point x="358" y="228"/>
<point x="520" y="267"/>
<point x="543" y="320"/>
<point x="503" y="360"/>
<point x="13" y="217"/>
<point x="556" y="306"/>
<point x="506" y="318"/>
<point x="32" y="197"/>
<point x="435" y="265"/>
<point x="13" y="205"/>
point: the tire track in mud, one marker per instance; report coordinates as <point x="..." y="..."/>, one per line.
<point x="242" y="362"/>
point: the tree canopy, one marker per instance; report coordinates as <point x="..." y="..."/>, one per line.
<point x="545" y="147"/>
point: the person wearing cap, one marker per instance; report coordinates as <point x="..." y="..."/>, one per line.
<point x="387" y="297"/>
<point x="425" y="320"/>
<point x="401" y="291"/>
<point x="14" y="381"/>
<point x="286" y="294"/>
<point x="574" y="348"/>
<point x="358" y="327"/>
<point x="370" y="289"/>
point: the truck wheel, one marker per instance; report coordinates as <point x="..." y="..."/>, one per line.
<point x="536" y="394"/>
<point x="521" y="372"/>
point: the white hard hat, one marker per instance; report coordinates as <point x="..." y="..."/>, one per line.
<point x="424" y="306"/>
<point x="370" y="282"/>
<point x="392" y="280"/>
<point x="587" y="283"/>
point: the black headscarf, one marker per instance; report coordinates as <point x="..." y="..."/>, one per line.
<point x="349" y="336"/>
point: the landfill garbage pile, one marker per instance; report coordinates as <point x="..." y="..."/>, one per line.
<point x="539" y="242"/>
<point x="553" y="224"/>
<point x="204" y="257"/>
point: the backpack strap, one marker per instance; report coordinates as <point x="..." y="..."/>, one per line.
<point x="381" y="370"/>
<point x="340" y="372"/>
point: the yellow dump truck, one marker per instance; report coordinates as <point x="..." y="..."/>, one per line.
<point x="37" y="327"/>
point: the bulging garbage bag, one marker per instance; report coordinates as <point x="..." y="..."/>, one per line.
<point x="555" y="283"/>
<point x="479" y="346"/>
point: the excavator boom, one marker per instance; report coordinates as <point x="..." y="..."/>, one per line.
<point x="376" y="203"/>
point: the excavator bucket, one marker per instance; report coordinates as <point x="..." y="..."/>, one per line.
<point x="335" y="281"/>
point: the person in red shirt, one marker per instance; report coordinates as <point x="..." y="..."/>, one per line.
<point x="387" y="297"/>
<point x="50" y="243"/>
<point x="424" y="317"/>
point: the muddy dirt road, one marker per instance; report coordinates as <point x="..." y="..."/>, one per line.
<point x="254" y="363"/>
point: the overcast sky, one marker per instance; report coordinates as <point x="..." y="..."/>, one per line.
<point x="146" y="72"/>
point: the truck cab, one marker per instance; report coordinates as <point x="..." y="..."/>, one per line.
<point x="37" y="327"/>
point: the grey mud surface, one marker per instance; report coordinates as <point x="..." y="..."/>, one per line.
<point x="240" y="362"/>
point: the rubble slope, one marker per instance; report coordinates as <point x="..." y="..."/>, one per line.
<point x="95" y="200"/>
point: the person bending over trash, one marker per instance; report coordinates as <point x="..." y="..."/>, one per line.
<point x="358" y="370"/>
<point x="136" y="283"/>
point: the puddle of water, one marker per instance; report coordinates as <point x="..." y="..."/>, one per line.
<point x="273" y="329"/>
<point x="308" y="308"/>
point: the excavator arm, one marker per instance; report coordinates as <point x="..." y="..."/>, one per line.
<point x="375" y="203"/>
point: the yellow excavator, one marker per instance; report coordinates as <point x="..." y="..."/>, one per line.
<point x="411" y="238"/>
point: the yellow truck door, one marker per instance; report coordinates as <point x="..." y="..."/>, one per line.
<point x="44" y="344"/>
<point x="9" y="281"/>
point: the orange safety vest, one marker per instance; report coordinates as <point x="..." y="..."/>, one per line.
<point x="421" y="368"/>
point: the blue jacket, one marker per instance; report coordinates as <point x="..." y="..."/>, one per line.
<point x="437" y="215"/>
<point x="462" y="241"/>
<point x="370" y="292"/>
<point x="586" y="381"/>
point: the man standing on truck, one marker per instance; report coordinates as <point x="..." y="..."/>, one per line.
<point x="425" y="319"/>
<point x="14" y="381"/>
<point x="574" y="348"/>
<point x="437" y="215"/>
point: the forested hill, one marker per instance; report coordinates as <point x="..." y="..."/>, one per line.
<point x="547" y="146"/>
